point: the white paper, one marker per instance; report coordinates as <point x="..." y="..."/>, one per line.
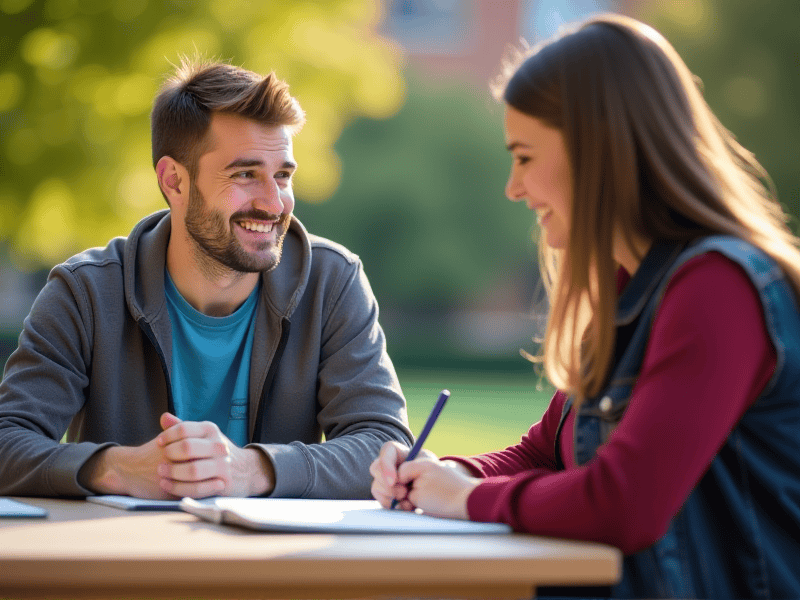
<point x="15" y="509"/>
<point x="328" y="516"/>
<point x="131" y="503"/>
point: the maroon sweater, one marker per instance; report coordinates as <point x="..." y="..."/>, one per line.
<point x="708" y="358"/>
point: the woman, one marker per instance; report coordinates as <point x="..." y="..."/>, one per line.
<point x="673" y="332"/>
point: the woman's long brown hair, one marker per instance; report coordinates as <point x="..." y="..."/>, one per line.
<point x="649" y="159"/>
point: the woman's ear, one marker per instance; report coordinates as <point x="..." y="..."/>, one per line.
<point x="173" y="179"/>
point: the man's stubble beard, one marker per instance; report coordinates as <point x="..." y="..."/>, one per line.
<point x="217" y="251"/>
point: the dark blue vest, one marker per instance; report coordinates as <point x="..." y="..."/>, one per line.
<point x="738" y="533"/>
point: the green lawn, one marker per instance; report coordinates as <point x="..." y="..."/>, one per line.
<point x="487" y="410"/>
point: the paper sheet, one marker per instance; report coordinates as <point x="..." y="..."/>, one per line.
<point x="130" y="503"/>
<point x="329" y="516"/>
<point x="14" y="509"/>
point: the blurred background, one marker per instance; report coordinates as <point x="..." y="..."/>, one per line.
<point x="402" y="159"/>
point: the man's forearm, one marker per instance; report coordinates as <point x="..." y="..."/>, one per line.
<point x="98" y="473"/>
<point x="259" y="471"/>
<point x="127" y="470"/>
<point x="133" y="471"/>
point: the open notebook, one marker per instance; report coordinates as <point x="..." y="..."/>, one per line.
<point x="327" y="516"/>
<point x="131" y="503"/>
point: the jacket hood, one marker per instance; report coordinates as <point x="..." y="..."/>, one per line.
<point x="145" y="256"/>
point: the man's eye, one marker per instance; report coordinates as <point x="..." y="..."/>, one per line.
<point x="243" y="175"/>
<point x="283" y="175"/>
<point x="521" y="160"/>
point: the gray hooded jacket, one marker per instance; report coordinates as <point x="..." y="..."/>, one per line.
<point x="95" y="358"/>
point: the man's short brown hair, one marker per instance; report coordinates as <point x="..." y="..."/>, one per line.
<point x="184" y="106"/>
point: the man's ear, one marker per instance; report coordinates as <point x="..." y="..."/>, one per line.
<point x="173" y="179"/>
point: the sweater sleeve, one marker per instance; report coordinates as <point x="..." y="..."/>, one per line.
<point x="42" y="390"/>
<point x="359" y="399"/>
<point x="536" y="449"/>
<point x="699" y="375"/>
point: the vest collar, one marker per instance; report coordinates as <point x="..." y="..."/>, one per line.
<point x="652" y="269"/>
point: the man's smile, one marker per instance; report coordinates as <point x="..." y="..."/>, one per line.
<point x="257" y="226"/>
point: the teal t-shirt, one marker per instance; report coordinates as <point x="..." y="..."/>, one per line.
<point x="211" y="363"/>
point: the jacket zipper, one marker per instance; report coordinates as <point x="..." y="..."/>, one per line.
<point x="144" y="326"/>
<point x="273" y="367"/>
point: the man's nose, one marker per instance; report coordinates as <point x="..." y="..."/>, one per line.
<point x="268" y="198"/>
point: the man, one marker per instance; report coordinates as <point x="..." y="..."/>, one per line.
<point x="209" y="351"/>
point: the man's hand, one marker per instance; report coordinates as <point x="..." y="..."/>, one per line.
<point x="187" y="459"/>
<point x="201" y="461"/>
<point x="437" y="487"/>
<point x="127" y="470"/>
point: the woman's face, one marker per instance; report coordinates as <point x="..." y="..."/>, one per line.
<point x="541" y="174"/>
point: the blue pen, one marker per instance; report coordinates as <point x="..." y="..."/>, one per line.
<point x="426" y="430"/>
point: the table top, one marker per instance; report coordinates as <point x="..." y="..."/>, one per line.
<point x="85" y="550"/>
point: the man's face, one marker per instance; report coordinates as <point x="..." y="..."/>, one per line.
<point x="241" y="200"/>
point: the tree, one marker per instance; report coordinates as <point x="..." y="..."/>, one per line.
<point x="746" y="54"/>
<point x="77" y="79"/>
<point x="422" y="201"/>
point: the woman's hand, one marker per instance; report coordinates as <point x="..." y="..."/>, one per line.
<point x="439" y="488"/>
<point x="384" y="473"/>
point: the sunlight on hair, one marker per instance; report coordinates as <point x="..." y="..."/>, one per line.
<point x="652" y="34"/>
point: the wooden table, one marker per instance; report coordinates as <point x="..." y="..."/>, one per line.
<point x="84" y="550"/>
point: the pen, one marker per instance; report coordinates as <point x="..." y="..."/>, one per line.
<point x="443" y="396"/>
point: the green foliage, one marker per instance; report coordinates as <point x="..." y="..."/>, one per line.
<point x="77" y="79"/>
<point x="746" y="54"/>
<point x="487" y="410"/>
<point x="422" y="200"/>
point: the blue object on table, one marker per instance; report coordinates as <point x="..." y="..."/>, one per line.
<point x="445" y="394"/>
